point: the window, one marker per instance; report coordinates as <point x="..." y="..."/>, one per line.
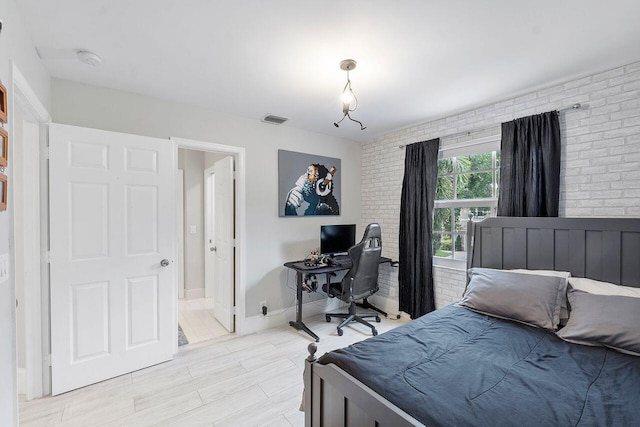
<point x="466" y="184"/>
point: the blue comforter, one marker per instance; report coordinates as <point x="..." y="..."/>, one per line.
<point x="454" y="367"/>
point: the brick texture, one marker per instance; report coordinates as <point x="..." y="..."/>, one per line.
<point x="600" y="170"/>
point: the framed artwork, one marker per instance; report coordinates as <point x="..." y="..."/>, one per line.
<point x="3" y="192"/>
<point x="4" y="147"/>
<point x="308" y="184"/>
<point x="3" y="104"/>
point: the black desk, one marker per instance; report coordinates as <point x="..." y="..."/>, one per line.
<point x="301" y="270"/>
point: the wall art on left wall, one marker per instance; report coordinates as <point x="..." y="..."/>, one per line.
<point x="4" y="147"/>
<point x="3" y="104"/>
<point x="3" y="192"/>
<point x="308" y="184"/>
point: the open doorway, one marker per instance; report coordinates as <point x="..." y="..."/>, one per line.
<point x="206" y="245"/>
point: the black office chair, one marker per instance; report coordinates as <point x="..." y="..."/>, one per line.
<point x="362" y="279"/>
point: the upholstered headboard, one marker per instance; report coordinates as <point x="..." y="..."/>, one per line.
<point x="606" y="249"/>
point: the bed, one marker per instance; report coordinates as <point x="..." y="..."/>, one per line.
<point x="456" y="366"/>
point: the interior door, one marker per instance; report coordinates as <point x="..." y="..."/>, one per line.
<point x="180" y="231"/>
<point x="209" y="233"/>
<point x="112" y="213"/>
<point x="224" y="287"/>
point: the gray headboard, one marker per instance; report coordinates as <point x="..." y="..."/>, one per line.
<point x="606" y="249"/>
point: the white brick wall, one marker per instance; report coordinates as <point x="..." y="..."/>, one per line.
<point x="600" y="170"/>
<point x="449" y="285"/>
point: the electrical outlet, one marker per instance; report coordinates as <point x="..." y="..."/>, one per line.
<point x="4" y="267"/>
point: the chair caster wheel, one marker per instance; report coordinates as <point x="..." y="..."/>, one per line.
<point x="378" y="319"/>
<point x="374" y="331"/>
<point x="327" y="318"/>
<point x="340" y="332"/>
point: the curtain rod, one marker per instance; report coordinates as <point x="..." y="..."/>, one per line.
<point x="576" y="106"/>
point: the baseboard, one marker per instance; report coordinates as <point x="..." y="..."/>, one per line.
<point x="22" y="381"/>
<point x="281" y="317"/>
<point x="194" y="293"/>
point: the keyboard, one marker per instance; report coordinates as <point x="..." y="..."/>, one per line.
<point x="342" y="261"/>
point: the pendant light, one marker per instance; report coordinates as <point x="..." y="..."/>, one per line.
<point x="349" y="100"/>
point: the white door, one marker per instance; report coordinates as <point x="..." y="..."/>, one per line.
<point x="224" y="287"/>
<point x="112" y="213"/>
<point x="180" y="232"/>
<point x="209" y="233"/>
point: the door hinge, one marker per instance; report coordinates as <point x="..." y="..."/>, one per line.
<point x="47" y="257"/>
<point x="44" y="152"/>
<point x="234" y="243"/>
<point x="47" y="360"/>
<point x="234" y="174"/>
<point x="233" y="311"/>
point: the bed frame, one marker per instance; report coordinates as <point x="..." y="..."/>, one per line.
<point x="606" y="249"/>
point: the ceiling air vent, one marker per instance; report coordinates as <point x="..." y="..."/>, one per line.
<point x="274" y="120"/>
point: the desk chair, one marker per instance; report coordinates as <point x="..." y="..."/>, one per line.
<point x="362" y="279"/>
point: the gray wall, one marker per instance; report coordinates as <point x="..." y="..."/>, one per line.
<point x="15" y="45"/>
<point x="211" y="158"/>
<point x="600" y="173"/>
<point x="271" y="240"/>
<point x="192" y="162"/>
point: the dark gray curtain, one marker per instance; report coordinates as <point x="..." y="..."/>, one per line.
<point x="530" y="166"/>
<point x="416" y="221"/>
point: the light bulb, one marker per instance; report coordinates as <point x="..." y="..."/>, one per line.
<point x="347" y="97"/>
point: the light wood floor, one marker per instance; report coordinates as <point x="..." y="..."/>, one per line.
<point x="254" y="380"/>
<point x="195" y="316"/>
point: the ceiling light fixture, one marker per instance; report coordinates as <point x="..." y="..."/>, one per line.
<point x="89" y="58"/>
<point x="349" y="100"/>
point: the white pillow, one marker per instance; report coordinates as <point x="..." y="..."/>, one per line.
<point x="564" y="311"/>
<point x="603" y="288"/>
<point x="564" y="274"/>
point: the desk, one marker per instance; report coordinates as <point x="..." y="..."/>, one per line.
<point x="301" y="270"/>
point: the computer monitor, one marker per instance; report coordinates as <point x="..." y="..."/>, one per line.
<point x="337" y="239"/>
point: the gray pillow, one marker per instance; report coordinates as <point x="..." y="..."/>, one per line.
<point x="526" y="298"/>
<point x="603" y="320"/>
<point x="564" y="311"/>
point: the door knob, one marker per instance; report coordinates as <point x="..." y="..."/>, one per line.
<point x="164" y="262"/>
<point x="213" y="248"/>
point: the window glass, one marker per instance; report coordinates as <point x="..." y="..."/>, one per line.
<point x="476" y="162"/>
<point x="474" y="185"/>
<point x="442" y="245"/>
<point x="460" y="246"/>
<point x="480" y="212"/>
<point x="445" y="166"/>
<point x="442" y="219"/>
<point x="463" y="181"/>
<point x="445" y="190"/>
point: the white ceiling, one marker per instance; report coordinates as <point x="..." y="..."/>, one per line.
<point x="417" y="59"/>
